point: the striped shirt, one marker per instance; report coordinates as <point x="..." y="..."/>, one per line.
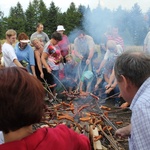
<point x="140" y="119"/>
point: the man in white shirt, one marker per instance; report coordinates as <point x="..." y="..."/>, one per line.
<point x="9" y="56"/>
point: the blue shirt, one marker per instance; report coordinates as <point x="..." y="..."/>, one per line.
<point x="140" y="119"/>
<point x="26" y="54"/>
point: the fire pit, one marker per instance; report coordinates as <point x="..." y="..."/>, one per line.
<point x="98" y="122"/>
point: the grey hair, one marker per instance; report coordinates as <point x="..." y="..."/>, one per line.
<point x="134" y="65"/>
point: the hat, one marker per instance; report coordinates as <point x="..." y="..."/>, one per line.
<point x="51" y="49"/>
<point x="24" y="41"/>
<point x="60" y="28"/>
<point x="88" y="74"/>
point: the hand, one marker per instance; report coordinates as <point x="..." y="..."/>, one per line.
<point x="97" y="71"/>
<point x="42" y="75"/>
<point x="108" y="90"/>
<point x="96" y="86"/>
<point x="87" y="61"/>
<point x="49" y="70"/>
<point x="81" y="57"/>
<point x="107" y="86"/>
<point x="123" y="132"/>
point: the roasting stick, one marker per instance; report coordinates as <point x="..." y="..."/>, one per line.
<point x="109" y="122"/>
<point x="59" y="81"/>
<point x="104" y="117"/>
<point x="49" y="91"/>
<point x="114" y="145"/>
<point x="112" y="96"/>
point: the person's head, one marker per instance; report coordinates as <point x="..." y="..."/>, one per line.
<point x="56" y="37"/>
<point x="21" y="99"/>
<point x="131" y="70"/>
<point x="23" y="40"/>
<point x="60" y="29"/>
<point x="115" y="31"/>
<point x="39" y="27"/>
<point x="111" y="46"/>
<point x="11" y="36"/>
<point x="36" y="43"/>
<point x="80" y="33"/>
<point x="69" y="59"/>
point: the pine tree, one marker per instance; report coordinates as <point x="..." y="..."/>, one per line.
<point x="52" y="18"/>
<point x="16" y="19"/>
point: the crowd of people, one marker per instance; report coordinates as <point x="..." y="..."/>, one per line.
<point x="29" y="63"/>
<point x="52" y="59"/>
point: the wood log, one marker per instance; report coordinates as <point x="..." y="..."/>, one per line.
<point x="94" y="132"/>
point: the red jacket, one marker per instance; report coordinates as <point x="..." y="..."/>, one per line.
<point x="59" y="138"/>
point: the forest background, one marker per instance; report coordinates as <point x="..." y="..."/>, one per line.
<point x="133" y="25"/>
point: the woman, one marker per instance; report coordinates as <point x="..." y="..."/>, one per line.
<point x="37" y="54"/>
<point x="64" y="43"/>
<point x="25" y="53"/>
<point x="21" y="100"/>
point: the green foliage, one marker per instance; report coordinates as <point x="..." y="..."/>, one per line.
<point x="133" y="25"/>
<point x="16" y="20"/>
<point x="51" y="21"/>
<point x="30" y="20"/>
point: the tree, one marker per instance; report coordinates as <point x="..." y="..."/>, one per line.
<point x="30" y="21"/>
<point x="51" y="21"/>
<point x="16" y="19"/>
<point x="72" y="18"/>
<point x="136" y="24"/>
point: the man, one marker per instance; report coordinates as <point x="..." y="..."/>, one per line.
<point x="40" y="34"/>
<point x="113" y="50"/>
<point x="9" y="56"/>
<point x="114" y="35"/>
<point x="84" y="48"/>
<point x="133" y="76"/>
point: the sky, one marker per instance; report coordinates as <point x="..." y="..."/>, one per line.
<point x="63" y="5"/>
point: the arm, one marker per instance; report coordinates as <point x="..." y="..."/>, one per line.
<point x="17" y="63"/>
<point x="88" y="86"/>
<point x="101" y="66"/>
<point x="76" y="50"/>
<point x="44" y="57"/>
<point x="124" y="132"/>
<point x="99" y="80"/>
<point x="106" y="78"/>
<point x="91" y="49"/>
<point x="39" y="63"/>
<point x="31" y="60"/>
<point x="33" y="70"/>
<point x="111" y="79"/>
<point x="81" y="85"/>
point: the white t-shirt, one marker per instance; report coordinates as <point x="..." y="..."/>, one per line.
<point x="1" y="137"/>
<point x="147" y="41"/>
<point x="109" y="53"/>
<point x="8" y="55"/>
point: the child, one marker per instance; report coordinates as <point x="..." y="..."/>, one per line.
<point x="85" y="82"/>
<point x="70" y="71"/>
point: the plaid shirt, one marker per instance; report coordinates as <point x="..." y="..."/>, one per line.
<point x="140" y="120"/>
